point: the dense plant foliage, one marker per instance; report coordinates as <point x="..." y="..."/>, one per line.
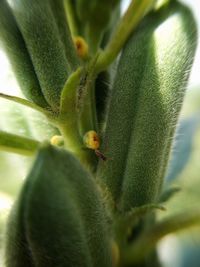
<point x="111" y="89"/>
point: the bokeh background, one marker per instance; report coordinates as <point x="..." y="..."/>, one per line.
<point x="180" y="250"/>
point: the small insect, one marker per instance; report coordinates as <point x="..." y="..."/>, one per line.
<point x="91" y="141"/>
<point x="100" y="155"/>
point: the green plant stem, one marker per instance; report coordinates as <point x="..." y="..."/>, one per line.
<point x="17" y="144"/>
<point x="71" y="136"/>
<point x="147" y="241"/>
<point x="74" y="144"/>
<point x="68" y="118"/>
<point x="67" y="121"/>
<point x="86" y="102"/>
<point x="65" y="34"/>
<point x="161" y="3"/>
<point x="135" y="12"/>
<point x="71" y="16"/>
<point x="26" y="103"/>
<point x="93" y="104"/>
<point x="88" y="117"/>
<point x="94" y="38"/>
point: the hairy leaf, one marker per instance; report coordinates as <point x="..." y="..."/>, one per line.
<point x="15" y="47"/>
<point x="61" y="214"/>
<point x="39" y="29"/>
<point x="145" y="103"/>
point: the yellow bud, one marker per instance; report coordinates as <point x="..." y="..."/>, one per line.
<point x="115" y="254"/>
<point x="91" y="140"/>
<point x="57" y="140"/>
<point x="81" y="47"/>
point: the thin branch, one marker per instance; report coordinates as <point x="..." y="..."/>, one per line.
<point x="26" y="103"/>
<point x="18" y="144"/>
<point x="134" y="14"/>
<point x="67" y="120"/>
<point x="72" y="17"/>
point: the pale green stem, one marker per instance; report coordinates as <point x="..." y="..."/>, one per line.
<point x="88" y="118"/>
<point x="134" y="14"/>
<point x="72" y="138"/>
<point x="67" y="121"/>
<point x="74" y="143"/>
<point x="26" y="103"/>
<point x="71" y="17"/>
<point x="94" y="37"/>
<point x="148" y="240"/>
<point x="18" y="144"/>
<point x="94" y="111"/>
<point x="87" y="102"/>
<point x="160" y="3"/>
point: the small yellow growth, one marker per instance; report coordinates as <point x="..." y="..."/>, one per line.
<point x="81" y="47"/>
<point x="115" y="254"/>
<point x="91" y="140"/>
<point x="57" y="140"/>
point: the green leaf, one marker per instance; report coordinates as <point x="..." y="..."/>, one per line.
<point x="60" y="215"/>
<point x="145" y="103"/>
<point x="15" y="47"/>
<point x="40" y="32"/>
<point x="17" y="253"/>
<point x="65" y="34"/>
<point x="130" y="20"/>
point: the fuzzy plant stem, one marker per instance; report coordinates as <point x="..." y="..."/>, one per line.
<point x="135" y="12"/>
<point x="86" y="103"/>
<point x="65" y="34"/>
<point x="71" y="16"/>
<point x="67" y="121"/>
<point x="25" y="103"/>
<point x="15" y="47"/>
<point x="18" y="144"/>
<point x="40" y="31"/>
